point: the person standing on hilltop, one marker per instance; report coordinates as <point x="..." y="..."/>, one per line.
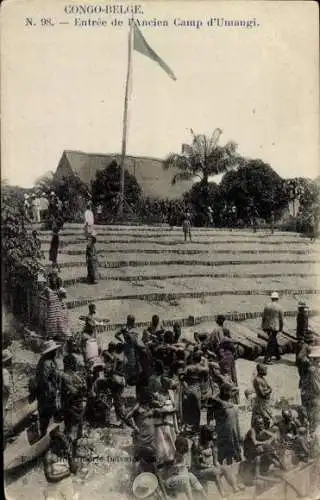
<point x="272" y="324"/>
<point x="91" y="260"/>
<point x="186" y="226"/>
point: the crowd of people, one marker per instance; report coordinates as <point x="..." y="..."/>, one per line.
<point x="185" y="419"/>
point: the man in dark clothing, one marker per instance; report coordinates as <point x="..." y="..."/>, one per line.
<point x="272" y="324"/>
<point x="54" y="244"/>
<point x="302" y="320"/>
<point x="47" y="384"/>
<point x="92" y="260"/>
<point x="73" y="397"/>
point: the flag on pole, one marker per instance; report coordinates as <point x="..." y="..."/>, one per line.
<point x="140" y="45"/>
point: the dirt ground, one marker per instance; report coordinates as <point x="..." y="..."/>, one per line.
<point x="279" y="256"/>
<point x="99" y="478"/>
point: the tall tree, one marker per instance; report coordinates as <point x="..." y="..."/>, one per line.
<point x="71" y="190"/>
<point x="203" y="158"/>
<point x="105" y="189"/>
<point x="255" y="184"/>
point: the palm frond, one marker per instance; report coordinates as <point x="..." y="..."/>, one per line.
<point x="214" y="139"/>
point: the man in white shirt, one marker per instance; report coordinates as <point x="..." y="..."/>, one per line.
<point x="36" y="209"/>
<point x="88" y="220"/>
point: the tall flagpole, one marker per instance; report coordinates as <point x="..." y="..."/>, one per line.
<point x="125" y="117"/>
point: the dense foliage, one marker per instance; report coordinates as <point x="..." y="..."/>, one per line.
<point x="105" y="191"/>
<point x="254" y="185"/>
<point x="72" y="192"/>
<point x="309" y="207"/>
<point x="203" y="158"/>
<point x="20" y="249"/>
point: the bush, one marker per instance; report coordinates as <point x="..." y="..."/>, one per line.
<point x="20" y="251"/>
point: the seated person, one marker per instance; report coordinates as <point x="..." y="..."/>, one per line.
<point x="179" y="479"/>
<point x="259" y="448"/>
<point x="287" y="426"/>
<point x="205" y="465"/>
<point x="58" y="467"/>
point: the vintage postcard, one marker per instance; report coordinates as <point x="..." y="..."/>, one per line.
<point x="160" y="207"/>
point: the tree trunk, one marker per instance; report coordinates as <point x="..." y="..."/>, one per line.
<point x="205" y="195"/>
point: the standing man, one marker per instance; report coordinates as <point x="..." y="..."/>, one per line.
<point x="47" y="384"/>
<point x="272" y="220"/>
<point x="73" y="399"/>
<point x="302" y="320"/>
<point x="272" y="324"/>
<point x="262" y="405"/>
<point x="91" y="259"/>
<point x="54" y="244"/>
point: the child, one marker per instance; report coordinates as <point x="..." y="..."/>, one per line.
<point x="186" y="226"/>
<point x="205" y="464"/>
<point x="180" y="480"/>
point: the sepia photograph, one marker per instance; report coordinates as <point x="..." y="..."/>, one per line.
<point x="160" y="208"/>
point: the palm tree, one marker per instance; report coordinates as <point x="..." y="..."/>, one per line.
<point x="203" y="158"/>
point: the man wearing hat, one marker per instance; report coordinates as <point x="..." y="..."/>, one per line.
<point x="272" y="324"/>
<point x="47" y="383"/>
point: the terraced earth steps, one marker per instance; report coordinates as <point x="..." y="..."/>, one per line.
<point x="176" y="288"/>
<point x="80" y="276"/>
<point x="236" y="308"/>
<point x="103" y="251"/>
<point x="222" y="272"/>
<point x="140" y="263"/>
<point x="200" y="244"/>
<point x="175" y="242"/>
<point x="165" y="230"/>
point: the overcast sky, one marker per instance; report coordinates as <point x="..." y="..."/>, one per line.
<point x="63" y="86"/>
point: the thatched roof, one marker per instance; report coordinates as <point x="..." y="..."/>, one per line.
<point x="149" y="172"/>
